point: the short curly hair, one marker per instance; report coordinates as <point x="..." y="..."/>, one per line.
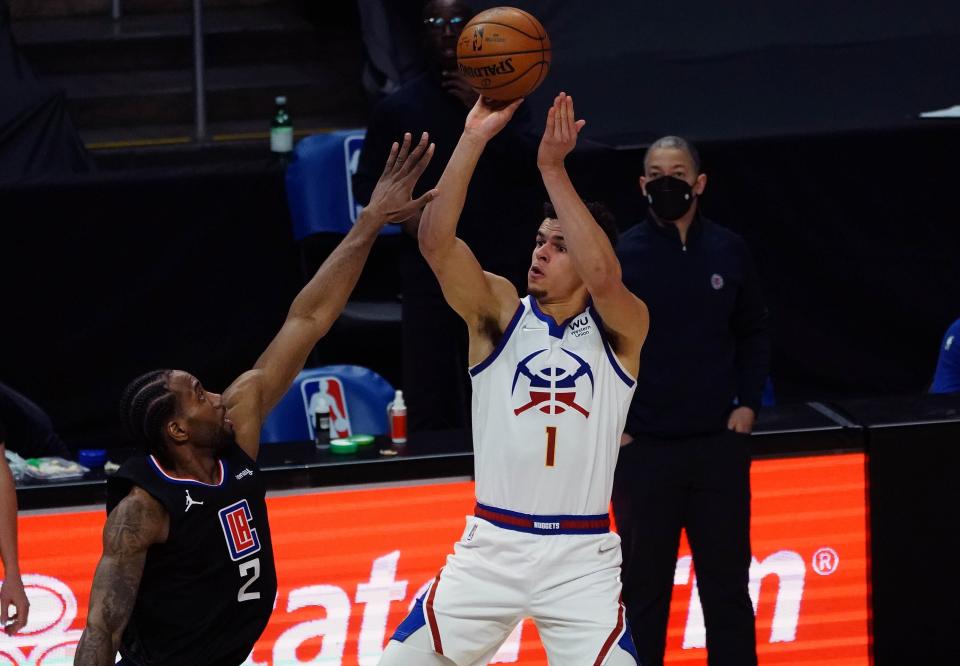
<point x="600" y="213"/>
<point x="676" y="143"/>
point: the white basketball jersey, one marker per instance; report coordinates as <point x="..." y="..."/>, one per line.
<point x="549" y="405"/>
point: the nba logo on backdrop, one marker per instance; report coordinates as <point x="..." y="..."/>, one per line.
<point x="352" y="145"/>
<point x="553" y="389"/>
<point x="330" y="388"/>
<point x="242" y="539"/>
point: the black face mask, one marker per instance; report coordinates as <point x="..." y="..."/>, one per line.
<point x="669" y="197"/>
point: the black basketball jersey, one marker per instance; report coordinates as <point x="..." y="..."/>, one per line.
<point x="208" y="591"/>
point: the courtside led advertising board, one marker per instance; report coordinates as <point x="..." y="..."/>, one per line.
<point x="350" y="563"/>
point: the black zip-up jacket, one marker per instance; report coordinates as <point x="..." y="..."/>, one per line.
<point x="708" y="348"/>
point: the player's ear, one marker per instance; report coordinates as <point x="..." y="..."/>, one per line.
<point x="643" y="184"/>
<point x="176" y="431"/>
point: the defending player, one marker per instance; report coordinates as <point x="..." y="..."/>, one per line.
<point x="187" y="573"/>
<point x="552" y="379"/>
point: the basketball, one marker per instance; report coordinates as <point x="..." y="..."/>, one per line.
<point x="504" y="53"/>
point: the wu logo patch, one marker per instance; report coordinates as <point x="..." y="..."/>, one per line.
<point x="242" y="540"/>
<point x="716" y="281"/>
<point x="580" y="327"/>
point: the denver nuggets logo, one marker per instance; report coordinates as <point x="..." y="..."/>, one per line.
<point x="242" y="539"/>
<point x="553" y="389"/>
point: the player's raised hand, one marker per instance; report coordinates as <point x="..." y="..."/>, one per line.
<point x="12" y="594"/>
<point x="393" y="195"/>
<point x="488" y="117"/>
<point x="560" y="134"/>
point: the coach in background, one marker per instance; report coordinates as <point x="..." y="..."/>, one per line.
<point x="685" y="460"/>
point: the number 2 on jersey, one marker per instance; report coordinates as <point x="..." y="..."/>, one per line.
<point x="551" y="445"/>
<point x="246" y="568"/>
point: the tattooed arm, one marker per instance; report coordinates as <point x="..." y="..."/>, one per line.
<point x="132" y="527"/>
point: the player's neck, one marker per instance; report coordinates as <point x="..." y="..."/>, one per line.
<point x="562" y="310"/>
<point x="196" y="464"/>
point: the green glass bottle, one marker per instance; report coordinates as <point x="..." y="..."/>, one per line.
<point x="281" y="129"/>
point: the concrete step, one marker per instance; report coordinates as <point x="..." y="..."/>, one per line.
<point x="187" y="156"/>
<point x="155" y="97"/>
<point x="30" y="9"/>
<point x="172" y="146"/>
<point x="165" y="41"/>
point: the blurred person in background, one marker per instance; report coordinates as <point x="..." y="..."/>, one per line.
<point x="497" y="228"/>
<point x="685" y="461"/>
<point x="12" y="594"/>
<point x="30" y="432"/>
<point x="392" y="41"/>
<point x="27" y="431"/>
<point x="37" y="138"/>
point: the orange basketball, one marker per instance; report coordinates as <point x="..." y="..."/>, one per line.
<point x="504" y="53"/>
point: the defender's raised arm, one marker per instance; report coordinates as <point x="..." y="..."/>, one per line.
<point x="322" y="300"/>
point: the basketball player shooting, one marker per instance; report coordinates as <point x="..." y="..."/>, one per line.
<point x="187" y="573"/>
<point x="553" y="374"/>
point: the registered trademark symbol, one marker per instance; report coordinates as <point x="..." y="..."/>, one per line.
<point x="825" y="561"/>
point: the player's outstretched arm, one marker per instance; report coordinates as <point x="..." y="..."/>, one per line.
<point x="251" y="397"/>
<point x="624" y="315"/>
<point x="476" y="296"/>
<point x="136" y="523"/>
<point x="11" y="592"/>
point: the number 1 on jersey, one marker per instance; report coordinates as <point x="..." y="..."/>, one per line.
<point x="551" y="444"/>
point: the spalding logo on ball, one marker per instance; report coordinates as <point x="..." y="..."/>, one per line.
<point x="504" y="53"/>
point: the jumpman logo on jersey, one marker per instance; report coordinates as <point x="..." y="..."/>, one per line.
<point x="190" y="502"/>
<point x="553" y="389"/>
